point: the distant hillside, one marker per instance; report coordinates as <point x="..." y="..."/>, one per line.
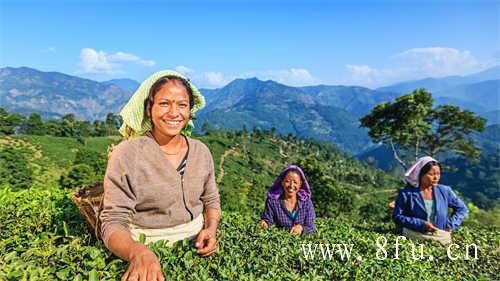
<point x="323" y="112"/>
<point x="128" y="85"/>
<point x="493" y="117"/>
<point x="53" y="94"/>
<point x="485" y="94"/>
<point x="436" y="85"/>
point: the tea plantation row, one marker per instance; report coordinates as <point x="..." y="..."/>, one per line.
<point x="43" y="237"/>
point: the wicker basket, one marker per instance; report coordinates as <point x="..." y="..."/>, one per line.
<point x="89" y="200"/>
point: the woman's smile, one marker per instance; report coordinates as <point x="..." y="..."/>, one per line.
<point x="173" y="123"/>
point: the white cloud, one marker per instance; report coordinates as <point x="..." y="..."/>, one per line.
<point x="184" y="70"/>
<point x="93" y="61"/>
<point x="50" y="50"/>
<point x="291" y="77"/>
<point x="418" y="63"/>
<point x="210" y="79"/>
<point x="98" y="62"/>
<point x="438" y="61"/>
<point x="215" y="79"/>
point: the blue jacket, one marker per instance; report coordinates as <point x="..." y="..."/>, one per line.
<point x="410" y="210"/>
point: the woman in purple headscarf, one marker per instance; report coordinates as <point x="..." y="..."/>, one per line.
<point x="288" y="203"/>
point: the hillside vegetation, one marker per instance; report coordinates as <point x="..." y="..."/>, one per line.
<point x="44" y="237"/>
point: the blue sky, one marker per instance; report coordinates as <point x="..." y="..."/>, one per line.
<point x="367" y="43"/>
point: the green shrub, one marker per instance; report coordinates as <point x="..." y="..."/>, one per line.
<point x="47" y="240"/>
<point x="78" y="175"/>
<point x="15" y="171"/>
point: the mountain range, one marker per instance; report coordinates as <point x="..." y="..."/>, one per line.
<point x="53" y="94"/>
<point x="328" y="113"/>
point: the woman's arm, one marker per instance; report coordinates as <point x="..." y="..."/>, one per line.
<point x="399" y="217"/>
<point x="460" y="211"/>
<point x="309" y="224"/>
<point x="206" y="242"/>
<point x="118" y="208"/>
<point x="268" y="215"/>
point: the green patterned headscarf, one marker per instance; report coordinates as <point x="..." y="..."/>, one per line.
<point x="135" y="123"/>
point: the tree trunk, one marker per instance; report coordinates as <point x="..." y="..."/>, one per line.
<point x="416" y="149"/>
<point x="396" y="157"/>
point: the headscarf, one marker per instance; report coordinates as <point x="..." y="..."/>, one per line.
<point x="276" y="190"/>
<point x="411" y="176"/>
<point x="134" y="121"/>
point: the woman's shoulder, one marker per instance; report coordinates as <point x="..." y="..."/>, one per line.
<point x="444" y="188"/>
<point x="127" y="148"/>
<point x="273" y="201"/>
<point x="198" y="145"/>
<point x="409" y="190"/>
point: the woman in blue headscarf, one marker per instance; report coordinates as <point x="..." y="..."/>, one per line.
<point x="288" y="203"/>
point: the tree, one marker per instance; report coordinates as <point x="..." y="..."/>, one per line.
<point x="34" y="125"/>
<point x="10" y="123"/>
<point x="451" y="128"/>
<point x="98" y="128"/>
<point x="111" y="124"/>
<point x="67" y="125"/>
<point x="52" y="127"/>
<point x="410" y="125"/>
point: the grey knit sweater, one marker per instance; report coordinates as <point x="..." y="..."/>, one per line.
<point x="141" y="187"/>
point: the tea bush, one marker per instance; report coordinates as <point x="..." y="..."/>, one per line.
<point x="43" y="237"/>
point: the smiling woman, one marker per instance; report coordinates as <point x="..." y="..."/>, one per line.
<point x="288" y="204"/>
<point x="161" y="183"/>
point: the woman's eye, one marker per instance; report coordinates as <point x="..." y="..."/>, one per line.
<point x="163" y="103"/>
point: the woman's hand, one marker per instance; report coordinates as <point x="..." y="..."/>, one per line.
<point x="263" y="224"/>
<point x="143" y="265"/>
<point x="206" y="243"/>
<point x="297" y="229"/>
<point x="430" y="227"/>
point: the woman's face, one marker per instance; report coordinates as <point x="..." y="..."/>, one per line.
<point x="170" y="111"/>
<point x="291" y="184"/>
<point x="431" y="177"/>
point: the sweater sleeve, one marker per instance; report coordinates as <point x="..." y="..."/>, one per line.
<point x="310" y="219"/>
<point x="400" y="218"/>
<point x="210" y="196"/>
<point x="268" y="214"/>
<point x="460" y="211"/>
<point x="119" y="199"/>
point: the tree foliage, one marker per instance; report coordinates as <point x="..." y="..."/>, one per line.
<point x="78" y="175"/>
<point x="67" y="126"/>
<point x="412" y="125"/>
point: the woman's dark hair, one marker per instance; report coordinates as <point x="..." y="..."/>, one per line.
<point x="148" y="103"/>
<point x="427" y="167"/>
